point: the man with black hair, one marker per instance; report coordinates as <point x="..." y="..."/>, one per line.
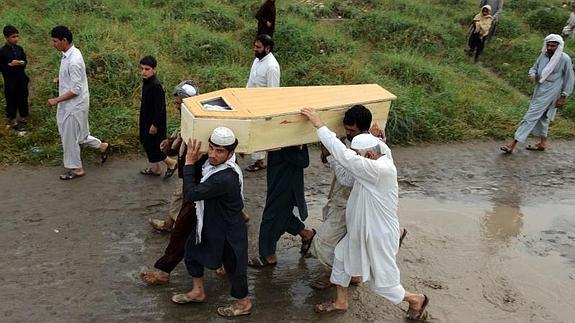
<point x="153" y="120"/>
<point x="13" y="64"/>
<point x="265" y="72"/>
<point x="73" y="104"/>
<point x="221" y="235"/>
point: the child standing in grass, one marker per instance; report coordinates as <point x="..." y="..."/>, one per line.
<point x="479" y="30"/>
<point x="13" y="64"/>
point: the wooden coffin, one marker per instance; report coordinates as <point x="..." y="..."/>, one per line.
<point x="269" y="118"/>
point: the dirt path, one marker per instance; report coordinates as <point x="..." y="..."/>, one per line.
<point x="491" y="238"/>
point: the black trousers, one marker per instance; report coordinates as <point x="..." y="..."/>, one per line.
<point x="476" y="43"/>
<point x="174" y="253"/>
<point x="16" y="92"/>
<point x="238" y="277"/>
<point x="151" y="145"/>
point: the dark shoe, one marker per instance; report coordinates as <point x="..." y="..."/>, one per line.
<point x="104" y="154"/>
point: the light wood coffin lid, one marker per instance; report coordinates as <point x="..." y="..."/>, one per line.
<point x="255" y="103"/>
<point x="273" y="119"/>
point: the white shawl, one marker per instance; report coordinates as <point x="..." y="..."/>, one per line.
<point x="548" y="69"/>
<point x="207" y="171"/>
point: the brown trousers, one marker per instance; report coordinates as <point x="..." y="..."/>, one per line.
<point x="185" y="223"/>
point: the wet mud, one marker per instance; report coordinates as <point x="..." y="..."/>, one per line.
<point x="491" y="239"/>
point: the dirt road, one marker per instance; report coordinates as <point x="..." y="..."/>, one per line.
<point x="491" y="238"/>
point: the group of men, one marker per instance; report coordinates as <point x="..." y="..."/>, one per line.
<point x="360" y="236"/>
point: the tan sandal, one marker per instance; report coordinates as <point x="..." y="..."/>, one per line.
<point x="421" y="314"/>
<point x="185" y="299"/>
<point x="154" y="278"/>
<point x="231" y="311"/>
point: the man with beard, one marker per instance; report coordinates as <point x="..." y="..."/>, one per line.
<point x="13" y="64"/>
<point x="357" y="120"/>
<point x="369" y="248"/>
<point x="553" y="77"/>
<point x="265" y="72"/>
<point x="221" y="235"/>
<point x="153" y="120"/>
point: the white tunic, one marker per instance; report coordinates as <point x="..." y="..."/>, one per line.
<point x="370" y="246"/>
<point x="72" y="114"/>
<point x="265" y="72"/>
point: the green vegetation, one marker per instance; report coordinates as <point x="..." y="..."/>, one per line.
<point x="412" y="48"/>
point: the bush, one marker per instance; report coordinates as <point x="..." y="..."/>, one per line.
<point x="547" y="21"/>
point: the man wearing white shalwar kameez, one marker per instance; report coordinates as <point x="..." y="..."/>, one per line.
<point x="369" y="248"/>
<point x="73" y="104"/>
<point x="553" y="77"/>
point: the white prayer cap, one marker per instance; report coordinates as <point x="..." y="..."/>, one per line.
<point x="186" y="89"/>
<point x="223" y="136"/>
<point x="364" y="141"/>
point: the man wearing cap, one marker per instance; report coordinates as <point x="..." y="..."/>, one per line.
<point x="153" y="119"/>
<point x="357" y="120"/>
<point x="553" y="77"/>
<point x="221" y="235"/>
<point x="369" y="248"/>
<point x="12" y="65"/>
<point x="171" y="146"/>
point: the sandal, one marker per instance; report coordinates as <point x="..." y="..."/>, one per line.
<point x="171" y="171"/>
<point x="537" y="147"/>
<point x="260" y="262"/>
<point x="70" y="175"/>
<point x="402" y="236"/>
<point x="421" y="314"/>
<point x="154" y="278"/>
<point x="231" y="311"/>
<point x="255" y="167"/>
<point x="221" y="271"/>
<point x="506" y="149"/>
<point x="306" y="244"/>
<point x="104" y="154"/>
<point x="328" y="307"/>
<point x="149" y="172"/>
<point x="159" y="225"/>
<point x="184" y="299"/>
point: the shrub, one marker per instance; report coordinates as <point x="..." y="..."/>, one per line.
<point x="547" y="20"/>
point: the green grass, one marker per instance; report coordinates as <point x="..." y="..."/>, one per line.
<point x="414" y="48"/>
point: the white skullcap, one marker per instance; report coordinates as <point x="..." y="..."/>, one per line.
<point x="223" y="136"/>
<point x="364" y="141"/>
<point x="186" y="89"/>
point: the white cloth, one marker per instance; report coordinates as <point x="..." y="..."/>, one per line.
<point x="265" y="72"/>
<point x="555" y="58"/>
<point x="72" y="114"/>
<point x="207" y="171"/>
<point x="370" y="246"/>
<point x="72" y="78"/>
<point x="73" y="133"/>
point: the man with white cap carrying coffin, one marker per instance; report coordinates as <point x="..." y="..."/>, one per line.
<point x="221" y="235"/>
<point x="369" y="248"/>
<point x="553" y="77"/>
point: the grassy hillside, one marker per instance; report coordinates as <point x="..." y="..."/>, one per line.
<point x="414" y="48"/>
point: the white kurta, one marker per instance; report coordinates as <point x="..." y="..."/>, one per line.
<point x="265" y="72"/>
<point x="369" y="248"/>
<point x="72" y="114"/>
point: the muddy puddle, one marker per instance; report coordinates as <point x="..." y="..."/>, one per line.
<point x="491" y="238"/>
